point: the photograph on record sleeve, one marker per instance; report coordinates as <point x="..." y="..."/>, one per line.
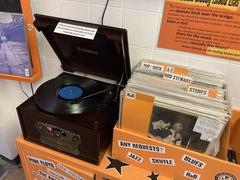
<point x="176" y="128"/>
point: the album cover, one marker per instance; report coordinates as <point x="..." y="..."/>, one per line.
<point x="176" y="128"/>
<point x="14" y="52"/>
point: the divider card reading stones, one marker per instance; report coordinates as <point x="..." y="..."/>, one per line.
<point x="209" y="27"/>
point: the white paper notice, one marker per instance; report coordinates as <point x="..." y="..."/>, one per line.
<point x="74" y="30"/>
<point x="209" y="128"/>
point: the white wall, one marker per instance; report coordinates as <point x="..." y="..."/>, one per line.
<point x="142" y="19"/>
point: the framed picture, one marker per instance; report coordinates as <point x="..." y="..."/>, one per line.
<point x="19" y="56"/>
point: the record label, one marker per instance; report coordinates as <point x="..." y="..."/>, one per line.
<point x="70" y="92"/>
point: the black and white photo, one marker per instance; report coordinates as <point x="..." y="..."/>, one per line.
<point x="175" y="128"/>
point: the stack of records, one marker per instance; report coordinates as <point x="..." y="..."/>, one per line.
<point x="191" y="107"/>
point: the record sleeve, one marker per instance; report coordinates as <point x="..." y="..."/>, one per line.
<point x="176" y="128"/>
<point x="179" y="105"/>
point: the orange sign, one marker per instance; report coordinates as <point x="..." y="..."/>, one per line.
<point x="42" y="163"/>
<point x="205" y="27"/>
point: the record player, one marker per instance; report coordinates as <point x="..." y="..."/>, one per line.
<point x="75" y="114"/>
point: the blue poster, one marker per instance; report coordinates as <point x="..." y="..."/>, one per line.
<point x="14" y="53"/>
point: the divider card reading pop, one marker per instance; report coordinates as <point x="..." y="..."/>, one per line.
<point x="14" y="52"/>
<point x="209" y="27"/>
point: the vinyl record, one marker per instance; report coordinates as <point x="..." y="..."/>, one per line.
<point x="70" y="94"/>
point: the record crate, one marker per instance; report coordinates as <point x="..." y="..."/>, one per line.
<point x="177" y="162"/>
<point x="42" y="163"/>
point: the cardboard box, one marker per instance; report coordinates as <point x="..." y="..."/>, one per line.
<point x="42" y="163"/>
<point x="177" y="162"/>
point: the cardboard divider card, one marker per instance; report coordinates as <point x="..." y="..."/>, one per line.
<point x="177" y="78"/>
<point x="176" y="70"/>
<point x="153" y="67"/>
<point x="200" y="91"/>
<point x="161" y="68"/>
<point x="138" y="102"/>
<point x="76" y="31"/>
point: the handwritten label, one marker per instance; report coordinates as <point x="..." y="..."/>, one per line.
<point x="44" y="175"/>
<point x="56" y="175"/>
<point x="76" y="31"/>
<point x="177" y="70"/>
<point x="191" y="175"/>
<point x="135" y="157"/>
<point x="193" y="161"/>
<point x="198" y="91"/>
<point x="141" y="147"/>
<point x="170" y="69"/>
<point x="209" y="128"/>
<point x="152" y="67"/>
<point x="177" y="78"/>
<point x="130" y="95"/>
<point x="162" y="161"/>
<point x="41" y="162"/>
<point x="212" y="93"/>
<point x="69" y="172"/>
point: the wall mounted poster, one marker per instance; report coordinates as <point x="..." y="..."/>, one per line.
<point x="19" y="54"/>
<point x="210" y="27"/>
<point x="14" y="53"/>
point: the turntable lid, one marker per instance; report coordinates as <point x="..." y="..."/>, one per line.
<point x="104" y="54"/>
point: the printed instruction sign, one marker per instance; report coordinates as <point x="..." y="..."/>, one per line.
<point x="76" y="31"/>
<point x="204" y="27"/>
